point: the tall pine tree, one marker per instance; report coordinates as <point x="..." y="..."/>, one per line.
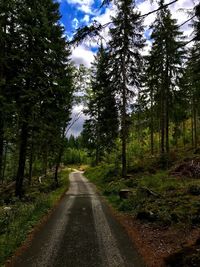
<point x="42" y="85"/>
<point x="101" y="129"/>
<point x="125" y="62"/>
<point x="166" y="64"/>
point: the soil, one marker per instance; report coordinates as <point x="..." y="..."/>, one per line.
<point x="157" y="243"/>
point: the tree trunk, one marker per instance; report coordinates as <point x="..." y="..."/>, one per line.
<point x="152" y="126"/>
<point x="123" y="121"/>
<point x="22" y="160"/>
<point x="97" y="156"/>
<point x="184" y="139"/>
<point x="162" y="124"/>
<point x="167" y="95"/>
<point x="195" y="127"/>
<point x="60" y="153"/>
<point x="45" y="163"/>
<point x="1" y="146"/>
<point x="192" y="131"/>
<point x="167" y="126"/>
<point x="31" y="163"/>
<point x="56" y="174"/>
<point x="4" y="161"/>
<point x="124" y="168"/>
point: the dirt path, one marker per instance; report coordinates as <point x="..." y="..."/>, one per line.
<point x="80" y="233"/>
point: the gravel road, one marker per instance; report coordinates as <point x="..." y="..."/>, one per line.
<point x="81" y="232"/>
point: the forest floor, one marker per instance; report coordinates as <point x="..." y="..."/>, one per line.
<point x="162" y="210"/>
<point x="18" y="218"/>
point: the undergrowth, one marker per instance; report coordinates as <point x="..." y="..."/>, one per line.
<point x="158" y="197"/>
<point x="19" y="217"/>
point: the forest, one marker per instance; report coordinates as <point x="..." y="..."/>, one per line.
<point x="141" y="134"/>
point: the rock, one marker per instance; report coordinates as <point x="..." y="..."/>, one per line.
<point x="197" y="151"/>
<point x="146" y="216"/>
<point x="7" y="208"/>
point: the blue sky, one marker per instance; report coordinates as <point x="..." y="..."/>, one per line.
<point x="77" y="13"/>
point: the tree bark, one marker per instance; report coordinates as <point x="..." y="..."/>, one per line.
<point x="152" y="126"/>
<point x="184" y="139"/>
<point x="45" y="161"/>
<point x="162" y="123"/>
<point x="124" y="128"/>
<point x="97" y="156"/>
<point x="1" y="146"/>
<point x="167" y="125"/>
<point x="195" y="127"/>
<point x="192" y="130"/>
<point x="31" y="163"/>
<point x="60" y="153"/>
<point x="167" y="95"/>
<point x="4" y="161"/>
<point x="22" y="160"/>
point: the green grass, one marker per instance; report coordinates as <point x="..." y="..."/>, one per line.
<point x="174" y="200"/>
<point x="16" y="223"/>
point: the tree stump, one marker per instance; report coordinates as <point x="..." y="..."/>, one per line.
<point x="124" y="193"/>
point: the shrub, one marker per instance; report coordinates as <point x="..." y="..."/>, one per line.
<point x="194" y="190"/>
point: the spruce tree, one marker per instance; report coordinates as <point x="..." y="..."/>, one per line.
<point x="125" y="62"/>
<point x="102" y="126"/>
<point x="166" y="64"/>
<point x="8" y="59"/>
<point x="43" y="88"/>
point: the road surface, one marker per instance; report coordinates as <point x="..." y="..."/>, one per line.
<point x="81" y="232"/>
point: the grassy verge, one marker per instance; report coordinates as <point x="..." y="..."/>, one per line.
<point x="19" y="217"/>
<point x="157" y="197"/>
<point x="162" y="201"/>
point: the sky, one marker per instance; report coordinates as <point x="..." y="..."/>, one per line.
<point x="77" y="13"/>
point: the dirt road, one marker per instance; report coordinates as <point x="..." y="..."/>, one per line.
<point x="80" y="233"/>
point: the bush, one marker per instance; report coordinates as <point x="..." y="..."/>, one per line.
<point x="114" y="187"/>
<point x="102" y="175"/>
<point x="17" y="220"/>
<point x="194" y="190"/>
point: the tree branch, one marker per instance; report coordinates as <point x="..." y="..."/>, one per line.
<point x="155" y="10"/>
<point x="186" y="21"/>
<point x="77" y="117"/>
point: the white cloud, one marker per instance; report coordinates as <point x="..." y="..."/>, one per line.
<point x="104" y="18"/>
<point x="86" y="19"/>
<point x="75" y="23"/>
<point x="179" y="10"/>
<point x="82" y="55"/>
<point x="83" y="5"/>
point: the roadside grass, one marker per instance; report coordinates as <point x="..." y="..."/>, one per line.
<point x="80" y="167"/>
<point x="158" y="197"/>
<point x="18" y="218"/>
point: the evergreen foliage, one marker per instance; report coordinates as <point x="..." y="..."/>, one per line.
<point x="125" y="62"/>
<point x="165" y="69"/>
<point x="35" y="84"/>
<point x="101" y="129"/>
